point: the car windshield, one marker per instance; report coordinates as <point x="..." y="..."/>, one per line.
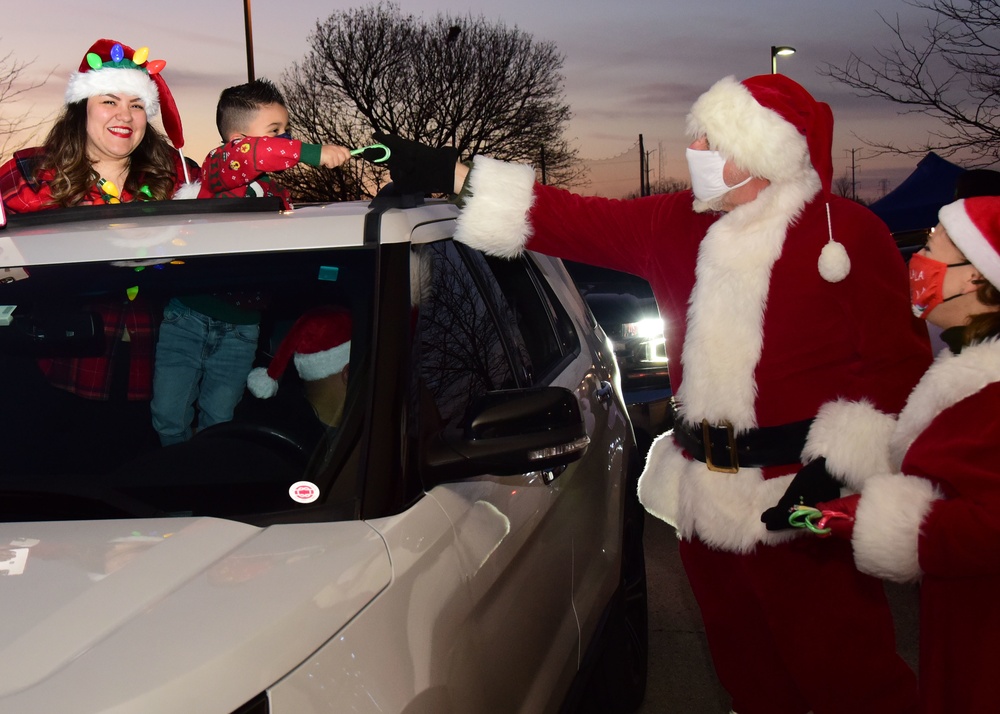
<point x="77" y="348"/>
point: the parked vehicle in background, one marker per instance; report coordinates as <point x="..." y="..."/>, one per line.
<point x="468" y="538"/>
<point x="625" y="308"/>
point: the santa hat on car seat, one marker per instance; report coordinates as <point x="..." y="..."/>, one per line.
<point x="772" y="127"/>
<point x="319" y="342"/>
<point x="110" y="67"/>
<point x="973" y="224"/>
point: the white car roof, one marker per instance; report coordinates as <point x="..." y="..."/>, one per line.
<point x="155" y="238"/>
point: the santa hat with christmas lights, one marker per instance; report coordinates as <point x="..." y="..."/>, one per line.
<point x="772" y="127"/>
<point x="973" y="224"/>
<point x="110" y="67"/>
<point x="319" y="343"/>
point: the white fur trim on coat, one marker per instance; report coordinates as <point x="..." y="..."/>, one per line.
<point x="758" y="139"/>
<point x="733" y="281"/>
<point x="887" y="525"/>
<point x="723" y="510"/>
<point x="949" y="380"/>
<point x="495" y="217"/>
<point x="854" y="438"/>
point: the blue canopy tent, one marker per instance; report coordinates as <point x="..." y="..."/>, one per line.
<point x="914" y="204"/>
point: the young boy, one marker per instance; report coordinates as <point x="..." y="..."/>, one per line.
<point x="207" y="343"/>
<point x="253" y="123"/>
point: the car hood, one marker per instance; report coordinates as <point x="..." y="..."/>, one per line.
<point x="156" y="615"/>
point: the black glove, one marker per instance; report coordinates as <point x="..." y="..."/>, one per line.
<point x="418" y="168"/>
<point x="812" y="484"/>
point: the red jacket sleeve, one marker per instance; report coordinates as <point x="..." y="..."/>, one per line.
<point x="242" y="161"/>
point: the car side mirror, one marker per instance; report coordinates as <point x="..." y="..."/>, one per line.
<point x="507" y="433"/>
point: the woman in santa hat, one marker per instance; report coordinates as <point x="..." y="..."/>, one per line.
<point x="932" y="514"/>
<point x="101" y="149"/>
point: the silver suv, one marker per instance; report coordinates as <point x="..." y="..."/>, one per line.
<point x="467" y="539"/>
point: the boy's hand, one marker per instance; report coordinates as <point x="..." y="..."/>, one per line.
<point x="333" y="155"/>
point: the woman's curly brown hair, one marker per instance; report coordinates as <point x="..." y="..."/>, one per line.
<point x="150" y="164"/>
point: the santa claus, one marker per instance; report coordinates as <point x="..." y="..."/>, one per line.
<point x="781" y="298"/>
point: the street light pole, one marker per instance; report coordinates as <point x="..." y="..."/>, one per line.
<point x="782" y="50"/>
<point x="249" y="31"/>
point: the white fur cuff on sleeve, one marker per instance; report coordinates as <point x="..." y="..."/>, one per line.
<point x="495" y="217"/>
<point x="854" y="438"/>
<point x="887" y="525"/>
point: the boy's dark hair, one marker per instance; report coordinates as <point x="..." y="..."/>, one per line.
<point x="238" y="105"/>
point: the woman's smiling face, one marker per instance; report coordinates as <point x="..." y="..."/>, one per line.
<point x="115" y="126"/>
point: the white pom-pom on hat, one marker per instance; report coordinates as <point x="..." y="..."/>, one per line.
<point x="319" y="343"/>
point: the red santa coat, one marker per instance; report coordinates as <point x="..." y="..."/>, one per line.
<point x="755" y="334"/>
<point x="934" y="516"/>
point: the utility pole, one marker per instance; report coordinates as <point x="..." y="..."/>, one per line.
<point x="649" y="169"/>
<point x="854" y="181"/>
<point x="249" y="33"/>
<point x="642" y="168"/>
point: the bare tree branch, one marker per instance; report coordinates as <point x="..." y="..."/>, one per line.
<point x="950" y="74"/>
<point x="11" y="91"/>
<point x="448" y="81"/>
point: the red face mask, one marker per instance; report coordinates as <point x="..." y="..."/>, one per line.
<point x="927" y="283"/>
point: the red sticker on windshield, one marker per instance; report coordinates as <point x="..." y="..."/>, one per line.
<point x="304" y="491"/>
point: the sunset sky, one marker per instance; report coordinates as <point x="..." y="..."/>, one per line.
<point x="631" y="66"/>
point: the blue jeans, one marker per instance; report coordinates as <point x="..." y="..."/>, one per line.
<point x="198" y="360"/>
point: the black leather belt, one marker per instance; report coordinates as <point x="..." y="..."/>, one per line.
<point x="721" y="449"/>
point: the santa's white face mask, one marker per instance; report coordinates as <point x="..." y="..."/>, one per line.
<point x="706" y="168"/>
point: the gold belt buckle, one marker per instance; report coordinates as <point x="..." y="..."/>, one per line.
<point x="706" y="436"/>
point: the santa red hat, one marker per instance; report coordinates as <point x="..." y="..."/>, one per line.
<point x="110" y="67"/>
<point x="319" y="343"/>
<point x="973" y="224"/>
<point x="772" y="127"/>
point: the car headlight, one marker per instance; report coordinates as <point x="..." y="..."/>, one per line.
<point x="645" y="342"/>
<point x="651" y="327"/>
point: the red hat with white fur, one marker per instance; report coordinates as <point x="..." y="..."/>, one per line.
<point x="772" y="127"/>
<point x="973" y="224"/>
<point x="110" y="67"/>
<point x="319" y="343"/>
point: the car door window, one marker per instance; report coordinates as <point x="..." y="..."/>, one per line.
<point x="542" y="332"/>
<point x="461" y="354"/>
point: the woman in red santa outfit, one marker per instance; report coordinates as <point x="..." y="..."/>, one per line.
<point x="932" y="513"/>
<point x="779" y="297"/>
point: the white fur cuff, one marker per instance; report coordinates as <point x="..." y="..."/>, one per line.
<point x="887" y="525"/>
<point x="854" y="438"/>
<point x="495" y="217"/>
<point x="659" y="483"/>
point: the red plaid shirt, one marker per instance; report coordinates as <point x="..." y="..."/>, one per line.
<point x="21" y="195"/>
<point x="90" y="377"/>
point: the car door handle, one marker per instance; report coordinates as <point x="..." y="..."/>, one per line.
<point x="603" y="392"/>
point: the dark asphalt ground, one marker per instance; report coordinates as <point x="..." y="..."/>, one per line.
<point x="681" y="677"/>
